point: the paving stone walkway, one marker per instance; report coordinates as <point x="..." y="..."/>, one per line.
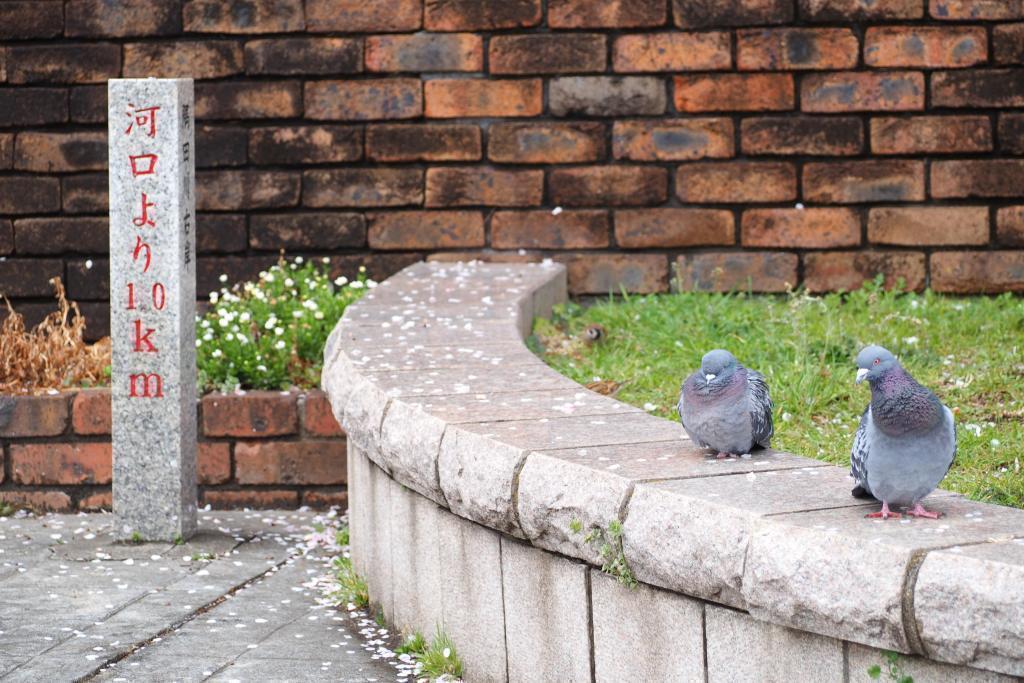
<point x="240" y="601"/>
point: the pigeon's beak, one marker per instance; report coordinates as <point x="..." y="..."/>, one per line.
<point x="708" y="378"/>
<point x="861" y="374"/>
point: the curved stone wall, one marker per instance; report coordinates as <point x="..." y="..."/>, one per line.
<point x="472" y="465"/>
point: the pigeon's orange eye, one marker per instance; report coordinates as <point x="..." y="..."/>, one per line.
<point x="877" y="361"/>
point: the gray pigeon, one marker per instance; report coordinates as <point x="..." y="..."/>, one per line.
<point x="725" y="406"/>
<point x="906" y="441"/>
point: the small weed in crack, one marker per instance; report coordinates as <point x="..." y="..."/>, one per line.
<point x="608" y="543"/>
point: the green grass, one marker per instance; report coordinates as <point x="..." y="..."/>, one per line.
<point x="970" y="351"/>
<point x="351" y="587"/>
<point x="439" y="659"/>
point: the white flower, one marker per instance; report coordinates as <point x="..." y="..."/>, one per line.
<point x="88" y="264"/>
<point x="649" y="407"/>
<point x="271" y="321"/>
<point x="223" y="277"/>
<point x="278" y="331"/>
<point x="243" y="340"/>
<point x="216" y="353"/>
<point x="299" y="259"/>
<point x="994" y="442"/>
<point x="340" y="281"/>
<point x="289" y="282"/>
<point x="224" y="322"/>
<point x="261" y="368"/>
<point x="280" y="345"/>
<point x="910" y="340"/>
<point x="362" y="269"/>
<point x="319" y="315"/>
<point x="356" y="284"/>
<point x="786" y="417"/>
<point x="326" y="259"/>
<point x="229" y="337"/>
<point x="204" y="324"/>
<point x="269" y="277"/>
<point x="199" y="342"/>
<point x="245" y="317"/>
<point x="296" y="313"/>
<point x="208" y="336"/>
<point x="213" y="297"/>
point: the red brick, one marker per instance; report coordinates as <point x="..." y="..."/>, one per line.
<point x="29" y="278"/>
<point x="928" y="47"/>
<point x="6" y="236"/>
<point x="715" y="13"/>
<point x="424" y="142"/>
<point x="855" y="10"/>
<point x="24" y="19"/>
<point x="483" y="98"/>
<point x="322" y="500"/>
<point x="608" y="185"/>
<point x="480" y="15"/>
<point x="245" y="190"/>
<point x="96" y="502"/>
<point x="978" y="88"/>
<point x="544" y="230"/>
<point x="359" y="16"/>
<point x="547" y="53"/>
<point x="273" y="232"/>
<point x="673" y="228"/>
<point x="1008" y="43"/>
<point x="978" y="272"/>
<point x="931" y="135"/>
<point x="734" y="92"/>
<point x="736" y="181"/>
<point x="105" y="19"/>
<point x="220" y="233"/>
<point x="856" y="182"/>
<point x="817" y="228"/>
<point x="32" y="106"/>
<point x="256" y="413"/>
<point x="672" y="140"/>
<point x="1010" y="226"/>
<point x="88" y="104"/>
<point x="61" y="463"/>
<point x="546" y="143"/>
<point x="64" y="63"/>
<point x="426" y="230"/>
<point x="243" y="16"/>
<point x="304" y="56"/>
<point x="425" y="52"/>
<point x="183" y="59"/>
<point x="916" y="226"/>
<point x="859" y="91"/>
<point x="611" y="273"/>
<point x="977" y="9"/>
<point x="256" y="499"/>
<point x="362" y="187"/>
<point x="453" y="186"/>
<point x="62" y="152"/>
<point x="3" y="65"/>
<point x="674" y="51"/>
<point x="613" y="14"/>
<point x="88" y="279"/>
<point x="391" y="98"/>
<point x="6" y="151"/>
<point x="318" y="418"/>
<point x="290" y="462"/>
<point x="84" y="193"/>
<point x="213" y="462"/>
<point x="39" y="501"/>
<point x="61" y="235"/>
<point x="221" y="146"/>
<point x="796" y="48"/>
<point x="846" y="271"/>
<point x="802" y="135"/>
<point x="34" y="415"/>
<point x="737" y="270"/>
<point x="238" y="269"/>
<point x="305" y="144"/>
<point x="248" y="100"/>
<point x="977" y="178"/>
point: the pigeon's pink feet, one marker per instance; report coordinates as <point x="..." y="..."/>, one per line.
<point x="722" y="456"/>
<point x="884" y="513"/>
<point x="919" y="511"/>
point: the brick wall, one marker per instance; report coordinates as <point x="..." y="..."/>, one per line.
<point x="260" y="449"/>
<point x="671" y="132"/>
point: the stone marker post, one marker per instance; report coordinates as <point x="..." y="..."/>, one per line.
<point x="152" y="301"/>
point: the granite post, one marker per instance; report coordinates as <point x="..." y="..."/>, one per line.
<point x="152" y="299"/>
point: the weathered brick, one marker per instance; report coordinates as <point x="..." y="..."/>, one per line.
<point x="734" y="92"/>
<point x="817" y="228"/>
<point x="606" y="96"/>
<point x="65" y="63"/>
<point x="736" y="270"/>
<point x="978" y="272"/>
<point x="714" y="13"/>
<point x="614" y="14"/>
<point x="238" y="269"/>
<point x="318" y="418"/>
<point x="608" y="185"/>
<point x="858" y="10"/>
<point x="544" y="230"/>
<point x="306" y="231"/>
<point x="84" y="193"/>
<point x="243" y="16"/>
<point x="673" y="51"/>
<point x="305" y="144"/>
<point x="218" y="146"/>
<point x="183" y="59"/>
<point x="254" y="414"/>
<point x="88" y="279"/>
<point x="860" y="91"/>
<point x="673" y="228"/>
<point x="484" y="98"/>
<point x="290" y="462"/>
<point x="914" y="226"/>
<point x="32" y="415"/>
<point x="736" y="181"/>
<point x="61" y="235"/>
<point x="796" y="48"/>
<point x="61" y="463"/>
<point x="255" y="499"/>
<point x="362" y="187"/>
<point x="546" y="143"/>
<point x="426" y="230"/>
<point x="453" y="186"/>
<point x="6" y="236"/>
<point x="105" y="19"/>
<point x="425" y="52"/>
<point x="672" y="140"/>
<point x="303" y="56"/>
<point x="847" y="271"/>
<point x="391" y="98"/>
<point x="96" y="502"/>
<point x="62" y="152"/>
<point x="977" y="9"/>
<point x="32" y="106"/>
<point x="810" y="135"/>
<point x="380" y="266"/>
<point x="39" y="501"/>
<point x="611" y="273"/>
<point x="220" y="233"/>
<point x="424" y="142"/>
<point x="3" y="65"/>
<point x="359" y="16"/>
<point x="1010" y="226"/>
<point x="24" y="19"/>
<point x="931" y="135"/>
<point x="547" y="53"/>
<point x="856" y="182"/>
<point x="977" y="178"/>
<point x="978" y="88"/>
<point x="213" y="462"/>
<point x="6" y="151"/>
<point x="88" y="104"/>
<point x="1008" y="43"/>
<point x="29" y="194"/>
<point x="480" y="15"/>
<point x="928" y="47"/>
<point x="248" y="100"/>
<point x="245" y="190"/>
<point x="322" y="500"/>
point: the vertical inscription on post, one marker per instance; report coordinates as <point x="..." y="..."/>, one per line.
<point x="152" y="299"/>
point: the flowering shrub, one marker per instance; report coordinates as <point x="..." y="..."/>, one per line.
<point x="270" y="334"/>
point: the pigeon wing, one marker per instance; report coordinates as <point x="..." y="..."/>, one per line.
<point x="682" y="410"/>
<point x="859" y="456"/>
<point x="762" y="426"/>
